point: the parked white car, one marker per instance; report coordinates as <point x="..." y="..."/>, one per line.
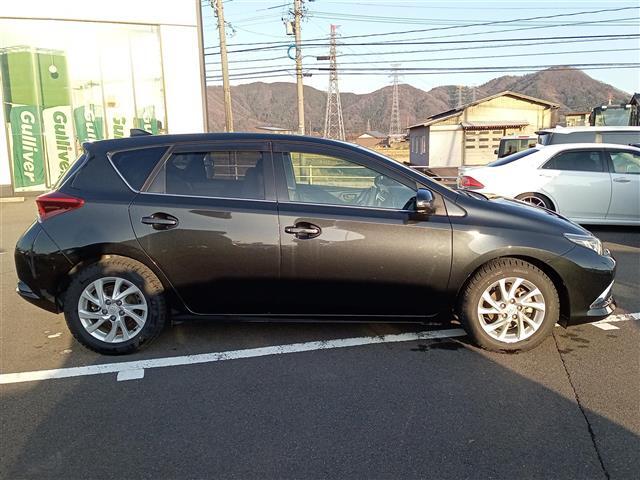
<point x="591" y="183"/>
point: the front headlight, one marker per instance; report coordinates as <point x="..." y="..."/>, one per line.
<point x="588" y="241"/>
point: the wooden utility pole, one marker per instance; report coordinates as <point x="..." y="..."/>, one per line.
<point x="297" y="12"/>
<point x="226" y="88"/>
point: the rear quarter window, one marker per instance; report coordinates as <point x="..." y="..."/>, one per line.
<point x="135" y="166"/>
<point x="512" y="158"/>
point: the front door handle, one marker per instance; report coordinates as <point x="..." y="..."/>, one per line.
<point x="160" y="221"/>
<point x="621" y="180"/>
<point x="303" y="230"/>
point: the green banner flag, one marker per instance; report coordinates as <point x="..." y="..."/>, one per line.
<point x="147" y="121"/>
<point x="61" y="152"/>
<point x="28" y="158"/>
<point x="89" y="123"/>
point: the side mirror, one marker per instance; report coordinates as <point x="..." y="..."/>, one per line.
<point x="425" y="203"/>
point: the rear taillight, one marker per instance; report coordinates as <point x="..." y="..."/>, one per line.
<point x="53" y="203"/>
<point x="469" y="182"/>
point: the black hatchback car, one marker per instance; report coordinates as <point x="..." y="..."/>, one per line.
<point x="254" y="226"/>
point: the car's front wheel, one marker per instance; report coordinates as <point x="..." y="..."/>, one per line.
<point x="115" y="306"/>
<point x="509" y="305"/>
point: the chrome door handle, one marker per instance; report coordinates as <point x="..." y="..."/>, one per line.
<point x="303" y="230"/>
<point x="160" y="221"/>
<point x="621" y="180"/>
<point x="298" y="230"/>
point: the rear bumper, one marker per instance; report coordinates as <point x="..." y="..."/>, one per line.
<point x="40" y="266"/>
<point x="25" y="292"/>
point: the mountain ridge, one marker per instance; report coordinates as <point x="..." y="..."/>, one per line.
<point x="259" y="103"/>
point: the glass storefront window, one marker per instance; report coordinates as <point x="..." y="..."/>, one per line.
<point x="65" y="82"/>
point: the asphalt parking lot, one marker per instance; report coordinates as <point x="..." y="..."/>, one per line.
<point x="306" y="403"/>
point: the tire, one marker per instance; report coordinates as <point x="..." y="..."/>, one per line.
<point x="537" y="200"/>
<point x="501" y="331"/>
<point x="101" y="327"/>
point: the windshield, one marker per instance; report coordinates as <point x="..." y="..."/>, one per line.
<point x="512" y="158"/>
<point x="614" y="117"/>
<point x="544" y="138"/>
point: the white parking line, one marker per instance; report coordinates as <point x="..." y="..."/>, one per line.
<point x="622" y="317"/>
<point x="124" y="375"/>
<point x="605" y="326"/>
<point x="135" y="369"/>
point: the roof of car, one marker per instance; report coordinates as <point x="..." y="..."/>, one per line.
<point x="564" y="130"/>
<point x="148" y="140"/>
<point x="571" y="146"/>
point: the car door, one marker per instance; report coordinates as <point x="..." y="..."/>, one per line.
<point x="350" y="245"/>
<point x="625" y="175"/>
<point x="578" y="182"/>
<point x="209" y="219"/>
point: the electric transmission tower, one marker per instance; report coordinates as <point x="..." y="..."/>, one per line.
<point x="394" y="126"/>
<point x="333" y="123"/>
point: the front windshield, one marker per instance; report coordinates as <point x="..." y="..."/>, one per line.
<point x="614" y="117"/>
<point x="544" y="138"/>
<point x="512" y="158"/>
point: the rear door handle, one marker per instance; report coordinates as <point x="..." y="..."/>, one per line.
<point x="303" y="230"/>
<point x="621" y="180"/>
<point x="160" y="221"/>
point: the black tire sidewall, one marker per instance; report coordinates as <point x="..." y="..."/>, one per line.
<point x="494" y="272"/>
<point x="132" y="271"/>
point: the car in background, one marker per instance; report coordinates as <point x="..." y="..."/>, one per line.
<point x="511" y="144"/>
<point x="150" y="228"/>
<point x="586" y="182"/>
<point x="562" y="135"/>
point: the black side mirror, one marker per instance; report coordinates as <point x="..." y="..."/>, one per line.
<point x="425" y="203"/>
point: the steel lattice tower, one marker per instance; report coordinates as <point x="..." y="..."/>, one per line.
<point x="333" y="123"/>
<point x="394" y="126"/>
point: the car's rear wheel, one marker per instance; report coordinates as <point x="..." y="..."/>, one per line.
<point x="537" y="200"/>
<point x="115" y="306"/>
<point x="509" y="305"/>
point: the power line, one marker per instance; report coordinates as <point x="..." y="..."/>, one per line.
<point x="410" y="70"/>
<point x="448" y="42"/>
<point x="480" y="24"/>
<point x="265" y="77"/>
<point x="588" y="40"/>
<point x="496" y="40"/>
<point x="421" y="60"/>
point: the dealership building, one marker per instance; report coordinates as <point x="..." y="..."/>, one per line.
<point x="83" y="70"/>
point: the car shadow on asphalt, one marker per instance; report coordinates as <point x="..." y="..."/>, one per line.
<point x="437" y="408"/>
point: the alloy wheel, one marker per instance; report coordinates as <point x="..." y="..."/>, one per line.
<point x="112" y="309"/>
<point x="511" y="309"/>
<point x="535" y="201"/>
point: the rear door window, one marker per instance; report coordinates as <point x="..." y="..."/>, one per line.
<point x="577" y="161"/>
<point x="135" y="166"/>
<point x="221" y="174"/>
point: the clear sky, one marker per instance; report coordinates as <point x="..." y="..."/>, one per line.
<point x="258" y="24"/>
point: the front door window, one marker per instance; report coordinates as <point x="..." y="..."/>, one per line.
<point x="322" y="179"/>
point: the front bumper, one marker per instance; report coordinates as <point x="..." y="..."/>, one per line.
<point x="588" y="280"/>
